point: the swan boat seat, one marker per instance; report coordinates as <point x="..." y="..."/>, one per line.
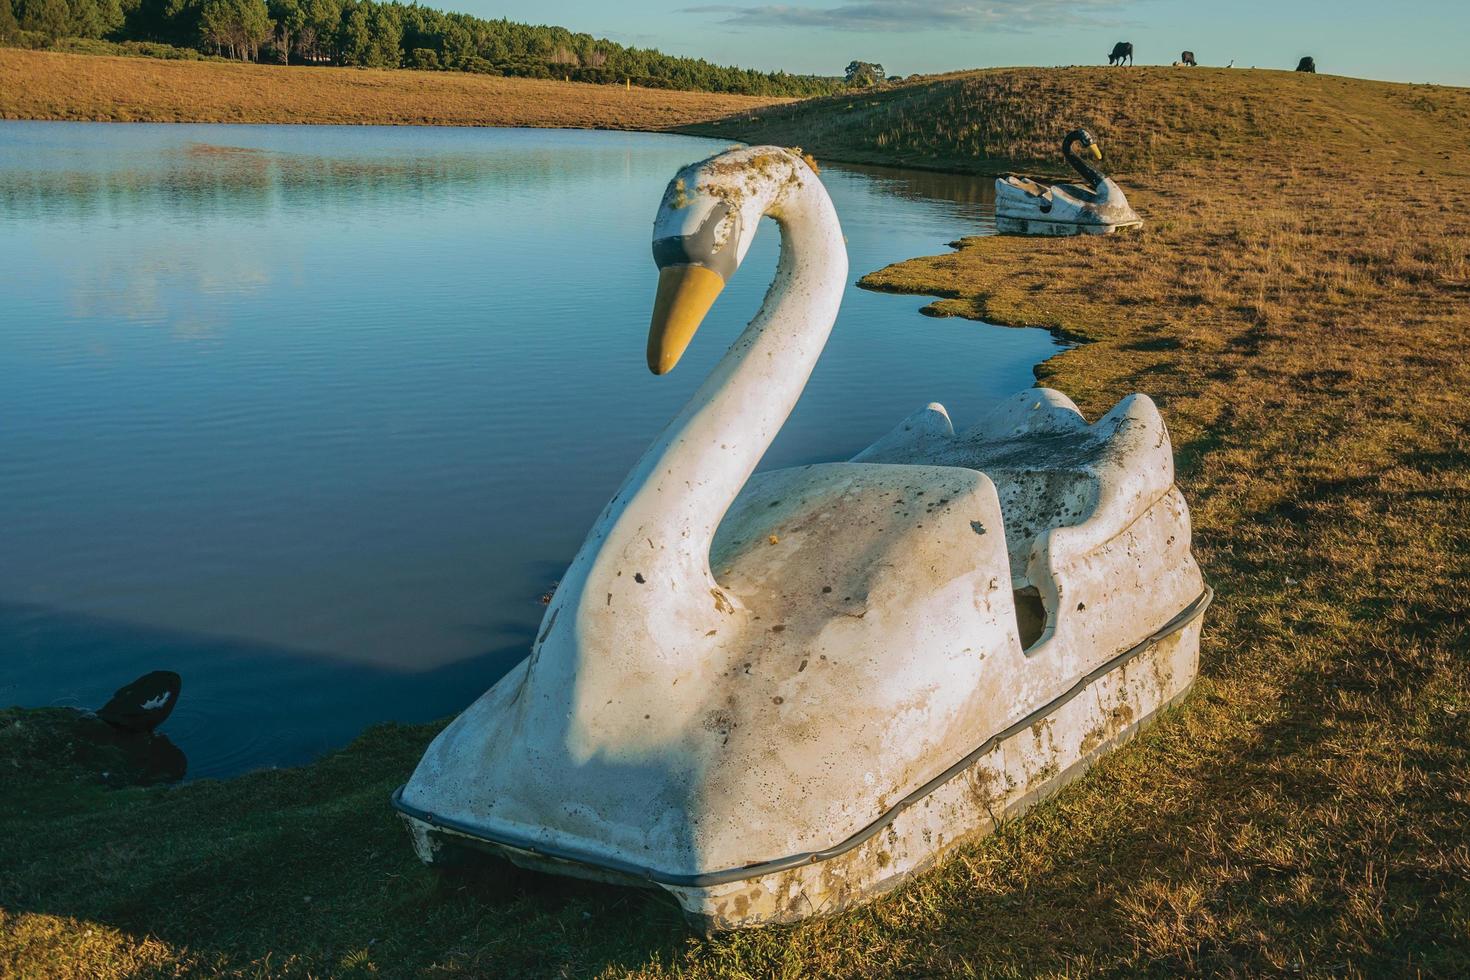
<point x="1032" y="187"/>
<point x="780" y="695"/>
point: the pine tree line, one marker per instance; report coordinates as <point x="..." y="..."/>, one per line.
<point x="382" y="35"/>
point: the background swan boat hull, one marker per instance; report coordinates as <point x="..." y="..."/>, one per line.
<point x="1029" y="207"/>
<point x="1036" y="226"/>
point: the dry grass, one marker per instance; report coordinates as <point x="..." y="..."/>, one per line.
<point x="1300" y="312"/>
<point x="1147" y="119"/>
<point x="48" y="85"/>
<point x="1301" y="318"/>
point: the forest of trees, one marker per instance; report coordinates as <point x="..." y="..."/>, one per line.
<point x="380" y="35"/>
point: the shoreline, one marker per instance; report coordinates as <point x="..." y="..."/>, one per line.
<point x="61" y="87"/>
<point x="1307" y="800"/>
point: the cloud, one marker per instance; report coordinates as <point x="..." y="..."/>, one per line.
<point x="915" y="15"/>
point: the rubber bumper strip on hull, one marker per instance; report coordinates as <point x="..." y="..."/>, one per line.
<point x="530" y="845"/>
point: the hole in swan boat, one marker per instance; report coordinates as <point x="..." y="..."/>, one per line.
<point x="316" y="421"/>
<point x="1030" y="616"/>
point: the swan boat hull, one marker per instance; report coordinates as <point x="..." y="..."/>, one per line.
<point x="1013" y="225"/>
<point x="1004" y="776"/>
<point x="1080" y="624"/>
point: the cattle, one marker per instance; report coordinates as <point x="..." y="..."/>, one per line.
<point x="1123" y="50"/>
<point x="1307" y="64"/>
<point x="1187" y="58"/>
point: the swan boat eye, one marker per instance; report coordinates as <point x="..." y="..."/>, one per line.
<point x="704" y="246"/>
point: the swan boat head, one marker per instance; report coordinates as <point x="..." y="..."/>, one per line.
<point x="745" y="684"/>
<point x="1025" y="206"/>
<point x="704" y="227"/>
<point x="1084" y="138"/>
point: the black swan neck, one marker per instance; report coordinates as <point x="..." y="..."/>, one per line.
<point x="1092" y="175"/>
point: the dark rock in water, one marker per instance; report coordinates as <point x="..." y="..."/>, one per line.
<point x="144" y="704"/>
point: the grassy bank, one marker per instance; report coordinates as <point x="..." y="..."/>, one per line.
<point x="49" y="85"/>
<point x="1298" y="303"/>
<point x="1149" y="119"/>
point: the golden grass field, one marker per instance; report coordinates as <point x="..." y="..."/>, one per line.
<point x="1298" y="302"/>
<point x="51" y="85"/>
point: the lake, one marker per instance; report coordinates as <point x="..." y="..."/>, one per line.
<point x="315" y="415"/>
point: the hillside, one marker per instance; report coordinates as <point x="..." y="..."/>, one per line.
<point x="1148" y="119"/>
<point x="1298" y="304"/>
<point x="48" y="85"/>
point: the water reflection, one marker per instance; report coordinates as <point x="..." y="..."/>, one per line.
<point x="160" y="284"/>
<point x="189" y="177"/>
<point x="321" y="411"/>
<point x="976" y="194"/>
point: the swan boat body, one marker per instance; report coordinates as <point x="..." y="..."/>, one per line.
<point x="779" y="696"/>
<point x="1099" y="207"/>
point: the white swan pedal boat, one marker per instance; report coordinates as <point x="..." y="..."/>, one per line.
<point x="1098" y="207"/>
<point x="779" y="696"/>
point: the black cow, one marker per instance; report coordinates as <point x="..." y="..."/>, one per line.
<point x="1187" y="58"/>
<point x="1307" y="64"/>
<point x="1121" y="51"/>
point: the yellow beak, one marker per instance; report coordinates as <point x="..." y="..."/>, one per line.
<point x="1096" y="153"/>
<point x="685" y="295"/>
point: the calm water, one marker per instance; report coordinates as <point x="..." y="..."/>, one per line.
<point x="314" y="415"/>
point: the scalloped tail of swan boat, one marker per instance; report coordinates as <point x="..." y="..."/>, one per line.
<point x="777" y="695"/>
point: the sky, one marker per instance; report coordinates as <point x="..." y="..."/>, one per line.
<point x="1397" y="40"/>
